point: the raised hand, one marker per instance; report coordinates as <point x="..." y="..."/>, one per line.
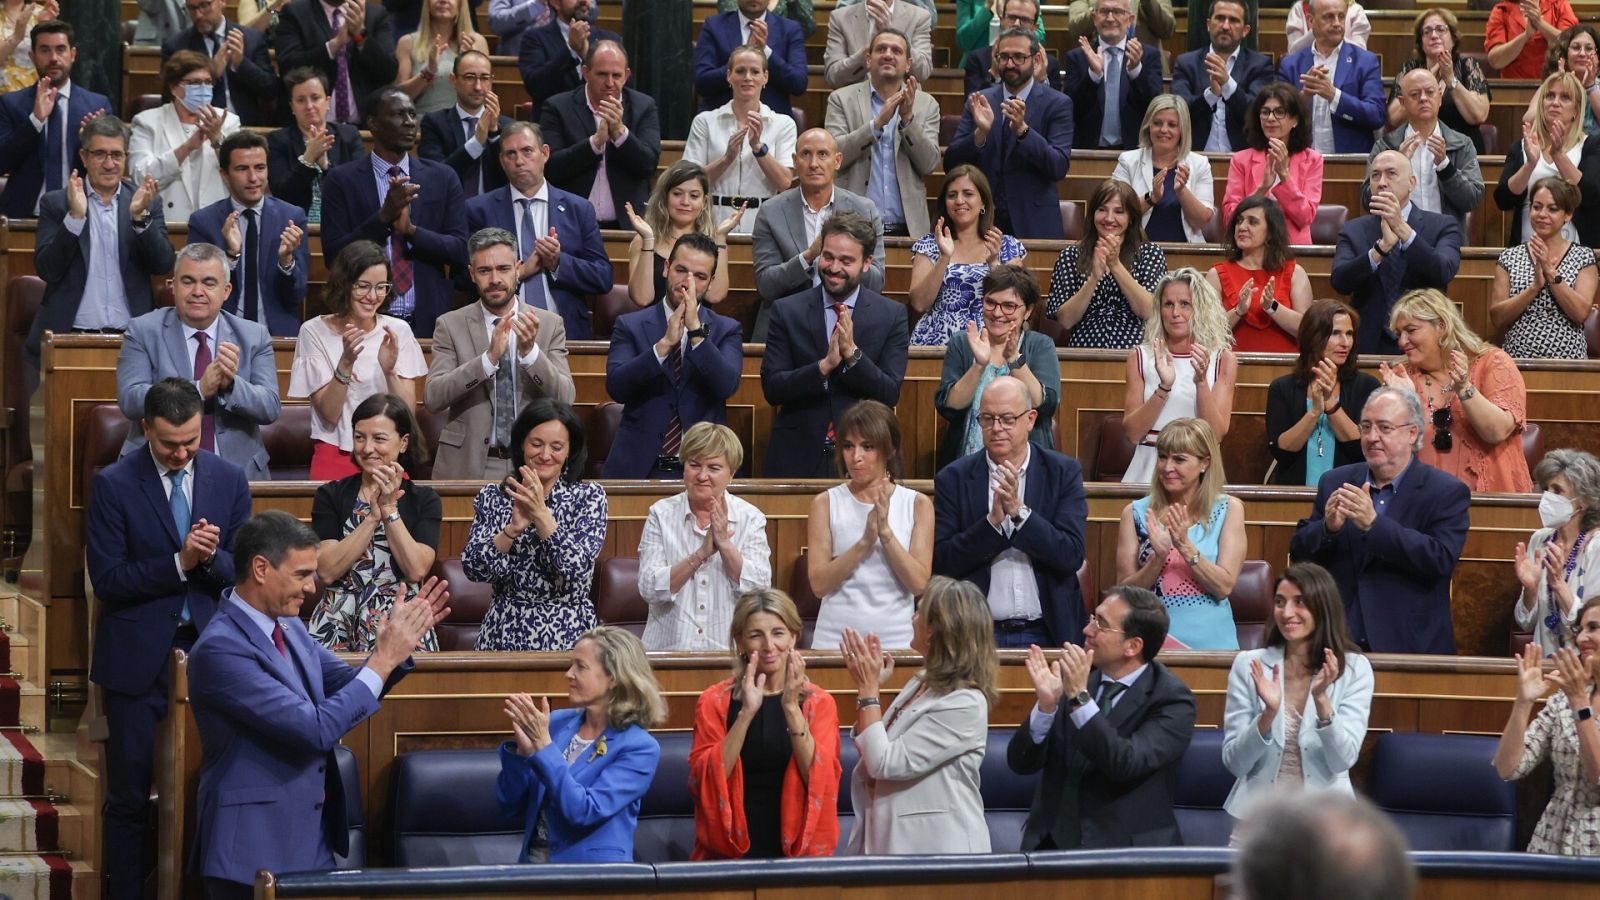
<point x="353" y="340"/>
<point x="1015" y="110"/>
<point x="753" y="128"/>
<point x="318" y="143"/>
<point x="1135" y="53"/>
<point x="1531" y="680"/>
<point x="232" y="238"/>
<point x="526" y="325"/>
<point x="44" y="98"/>
<point x="982" y="114"/>
<point x="758" y="34"/>
<point x="729" y="224"/>
<point x="978" y="343"/>
<point x="1571" y="676"/>
<point x="1046" y="677"/>
<point x="794" y="680"/>
<point x="1181" y="182"/>
<point x="199" y="545"/>
<point x="148" y="190"/>
<point x="752" y="688"/>
<point x="1269" y="684"/>
<point x="1247" y="293"/>
<point x="77" y="200"/>
<point x="233" y="47"/>
<point x="1460" y="371"/>
<point x="1528" y="567"/>
<point x="908" y="98"/>
<point x="864" y="658"/>
<point x="1096" y="61"/>
<point x="1160" y="539"/>
<point x="288" y="243"/>
<point x="945" y="240"/>
<point x="549" y="250"/>
<point x="398" y="199"/>
<point x="1395" y="376"/>
<point x="1200" y="358"/>
<point x="993" y="240"/>
<point x="1326" y="675"/>
<point x="1166" y="369"/>
<point x="530" y="722"/>
<point x="735" y="144"/>
<point x="578" y="37"/>
<point x="499" y="340"/>
<point x="1216" y="72"/>
<point x="891" y="108"/>
<point x="640" y="226"/>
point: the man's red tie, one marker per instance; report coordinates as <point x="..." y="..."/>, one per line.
<point x="839" y="310"/>
<point x="208" y="421"/>
<point x="277" y="639"/>
<point x="398" y="263"/>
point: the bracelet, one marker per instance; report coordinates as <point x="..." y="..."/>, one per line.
<point x="341" y="377"/>
<point x="651" y="246"/>
<point x="1163" y="389"/>
<point x="864" y="702"/>
<point x="801" y="733"/>
<point x="392" y="518"/>
<point x="508" y="535"/>
<point x="1324" y="723"/>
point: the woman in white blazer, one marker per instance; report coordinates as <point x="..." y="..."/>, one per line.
<point x="176" y="143"/>
<point x="915" y="789"/>
<point x="1297" y="708"/>
<point x="1179" y="204"/>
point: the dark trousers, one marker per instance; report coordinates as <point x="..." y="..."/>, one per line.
<point x="223" y="889"/>
<point x="130" y="759"/>
<point x="1020" y="639"/>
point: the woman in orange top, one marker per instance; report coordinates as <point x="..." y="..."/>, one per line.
<point x="1262" y="288"/>
<point x="764" y="765"/>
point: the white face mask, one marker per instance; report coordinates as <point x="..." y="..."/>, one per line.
<point x="1554" y="510"/>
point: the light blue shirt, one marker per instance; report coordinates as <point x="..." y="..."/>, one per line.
<point x="883" y="182"/>
<point x="1039" y="722"/>
<point x="265" y="622"/>
<point x="104" y="303"/>
<point x="1405" y="213"/>
<point x="1217" y="141"/>
<point x="399" y="304"/>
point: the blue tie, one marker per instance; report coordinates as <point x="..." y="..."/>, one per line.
<point x="531" y="294"/>
<point x="1111" y="129"/>
<point x="180" y="517"/>
<point x="54" y="131"/>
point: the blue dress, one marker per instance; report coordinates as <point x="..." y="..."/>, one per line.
<point x="1198" y="619"/>
<point x="960" y="299"/>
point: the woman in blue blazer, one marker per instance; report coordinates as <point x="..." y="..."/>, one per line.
<point x="576" y="776"/>
<point x="1297" y="707"/>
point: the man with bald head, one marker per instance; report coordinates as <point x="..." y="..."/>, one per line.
<point x="604" y="137"/>
<point x="787" y="237"/>
<point x="1443" y="160"/>
<point x="1397" y="247"/>
<point x="1011" y="520"/>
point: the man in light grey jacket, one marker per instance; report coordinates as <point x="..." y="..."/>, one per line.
<point x="1444" y="161"/>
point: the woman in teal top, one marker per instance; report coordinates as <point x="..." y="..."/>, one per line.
<point x="972" y="24"/>
<point x="1185" y="539"/>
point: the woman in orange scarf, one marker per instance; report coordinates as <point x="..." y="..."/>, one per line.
<point x="764" y="766"/>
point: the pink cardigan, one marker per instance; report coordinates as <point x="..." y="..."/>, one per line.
<point x="1298" y="196"/>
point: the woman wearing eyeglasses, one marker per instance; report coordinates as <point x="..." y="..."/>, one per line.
<point x="352" y="353"/>
<point x="176" y="143"/>
<point x="1003" y="346"/>
<point x="1475" y="397"/>
<point x="1280" y="162"/>
<point x="1465" y="103"/>
<point x="1577" y="51"/>
<point x="1559" y="566"/>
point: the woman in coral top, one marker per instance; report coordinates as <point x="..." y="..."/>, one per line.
<point x="764" y="766"/>
<point x="1280" y="161"/>
<point x="1262" y="288"/>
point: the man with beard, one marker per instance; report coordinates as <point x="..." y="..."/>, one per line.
<point x="671" y="365"/>
<point x="413" y="208"/>
<point x="490" y="359"/>
<point x="1019" y="133"/>
<point x="39" y="124"/>
<point x="828" y="348"/>
<point x="1220" y="80"/>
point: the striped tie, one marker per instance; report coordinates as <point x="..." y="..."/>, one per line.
<point x="672" y="438"/>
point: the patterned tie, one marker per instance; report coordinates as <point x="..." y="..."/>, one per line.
<point x="672" y="438"/>
<point x="532" y="289"/>
<point x="473" y="183"/>
<point x="505" y="397"/>
<point x="277" y="639"/>
<point x="208" y="421"/>
<point x="344" y="96"/>
<point x="839" y="309"/>
<point x="1111" y="129"/>
<point x="314" y="214"/>
<point x="397" y="253"/>
<point x="252" y="277"/>
<point x="55" y="130"/>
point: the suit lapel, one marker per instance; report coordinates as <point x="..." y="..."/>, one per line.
<point x="150" y="483"/>
<point x="816" y="323"/>
<point x="1132" y="700"/>
<point x="172" y="342"/>
<point x="302" y="667"/>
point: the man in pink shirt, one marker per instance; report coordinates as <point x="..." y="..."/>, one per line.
<point x="604" y="137"/>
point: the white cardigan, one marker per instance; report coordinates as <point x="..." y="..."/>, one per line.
<point x="196" y="183"/>
<point x="1135" y="168"/>
<point x="1326" y="754"/>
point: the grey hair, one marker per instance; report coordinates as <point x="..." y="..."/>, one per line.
<point x="205" y="253"/>
<point x="104" y="126"/>
<point x="1583" y="472"/>
<point x="1413" y="405"/>
<point x="485" y="238"/>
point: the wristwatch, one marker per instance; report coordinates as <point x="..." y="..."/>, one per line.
<point x="1017" y="363"/>
<point x="392" y="518"/>
<point x="700" y="332"/>
<point x="1270" y="307"/>
<point x="1468" y="392"/>
<point x="1584" y="713"/>
<point x="1194" y="560"/>
<point x="1022" y="511"/>
<point x="759" y="151"/>
<point x="1077" y="700"/>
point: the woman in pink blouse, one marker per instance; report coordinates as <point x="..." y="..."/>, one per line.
<point x="1280" y="161"/>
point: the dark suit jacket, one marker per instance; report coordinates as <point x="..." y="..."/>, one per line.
<point x="1586" y="218"/>
<point x="302" y="36"/>
<point x="964" y="543"/>
<point x="649" y="395"/>
<point x="22" y="147"/>
<point x="62" y="260"/>
<point x="350" y="213"/>
<point x="584" y="269"/>
<point x="1025" y="181"/>
<point x="1430" y="262"/>
<point x="444" y="140"/>
<point x="291" y="181"/>
<point x="1190" y="80"/>
<point x="804" y="401"/>
<point x="1089" y="98"/>
<point x="1111" y="782"/>
<point x="980" y="63"/>
<point x="1363" y="107"/>
<point x="546" y="62"/>
<point x="1395" y="577"/>
<point x="252" y="87"/>
<point x="786" y="67"/>
<point x="282" y="296"/>
<point x="131" y="542"/>
<point x="568" y="124"/>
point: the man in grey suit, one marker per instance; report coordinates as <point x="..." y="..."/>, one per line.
<point x="788" y="232"/>
<point x="229" y="358"/>
<point x="490" y="359"/>
<point x="852" y="31"/>
<point x="888" y="131"/>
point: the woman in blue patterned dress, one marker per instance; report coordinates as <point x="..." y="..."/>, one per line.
<point x="379" y="530"/>
<point x="1185" y="540"/>
<point x="947" y="266"/>
<point x="535" y="536"/>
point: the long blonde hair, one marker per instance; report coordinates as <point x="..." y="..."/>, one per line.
<point x="422" y="41"/>
<point x="1163" y="103"/>
<point x="1574" y="88"/>
<point x="1431" y="305"/>
<point x="635" y="696"/>
<point x="1194" y="437"/>
<point x="961" y="650"/>
<point x="1211" y="329"/>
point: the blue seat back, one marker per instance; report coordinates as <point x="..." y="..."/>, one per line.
<point x="1443" y="792"/>
<point x="1203" y="786"/>
<point x="445" y="812"/>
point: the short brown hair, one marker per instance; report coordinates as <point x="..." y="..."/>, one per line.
<point x="1132" y="239"/>
<point x="355" y="258"/>
<point x="979" y="181"/>
<point x="855" y="226"/>
<point x="1289" y="99"/>
<point x="1012" y="277"/>
<point x="181" y="64"/>
<point x="1562" y="192"/>
<point x="874" y="422"/>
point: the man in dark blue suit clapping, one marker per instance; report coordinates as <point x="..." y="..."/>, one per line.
<point x="39" y="124"/>
<point x="1220" y="80"/>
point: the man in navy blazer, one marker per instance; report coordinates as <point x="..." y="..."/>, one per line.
<point x="671" y="365"/>
<point x="751" y="23"/>
<point x="1011" y="520"/>
<point x="1399" y="247"/>
<point x="246" y="81"/>
<point x="418" y="216"/>
<point x="38" y="132"/>
<point x="551" y="54"/>
<point x="1347" y="104"/>
<point x="1390" y="530"/>
<point x="1022" y="145"/>
<point x="564" y="260"/>
<point x="475" y="157"/>
<point x="628" y="150"/>
<point x="271" y="704"/>
<point x="281" y="263"/>
<point x="305" y="36"/>
<point x="827" y="348"/>
<point x="1219" y="81"/>
<point x="160" y="525"/>
<point x="1114" y="61"/>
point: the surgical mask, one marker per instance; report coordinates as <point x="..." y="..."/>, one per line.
<point x="196" y="96"/>
<point x="1554" y="510"/>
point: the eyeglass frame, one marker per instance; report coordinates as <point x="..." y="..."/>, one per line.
<point x="366" y="288"/>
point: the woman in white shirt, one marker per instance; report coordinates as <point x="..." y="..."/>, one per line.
<point x="347" y="356"/>
<point x="176" y="143"/>
<point x="745" y="147"/>
<point x="1176" y="192"/>
<point x="701" y="548"/>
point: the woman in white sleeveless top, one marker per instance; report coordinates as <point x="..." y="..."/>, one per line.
<point x="870" y="539"/>
<point x="1183" y="369"/>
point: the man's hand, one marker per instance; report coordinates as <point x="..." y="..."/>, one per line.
<point x="810" y="253"/>
<point x="401" y="192"/>
<point x="499" y="340"/>
<point x="218" y="376"/>
<point x="355" y="18"/>
<point x="891" y="107"/>
<point x="578" y="38"/>
<point x="1046" y="677"/>
<point x="199" y="545"/>
<point x="1386" y="207"/>
<point x="1355" y="506"/>
<point x="77" y="200"/>
<point x="1316" y="82"/>
<point x="232" y="235"/>
<point x="143" y="197"/>
<point x="834" y="356"/>
<point x="878" y="12"/>
<point x="1097" y="62"/>
<point x="1135" y="53"/>
<point x="402" y="629"/>
<point x="288" y="243"/>
<point x="1075" y="665"/>
<point x="233" y="48"/>
<point x="674" y="335"/>
<point x="758" y="34"/>
<point x="1217" y="71"/>
<point x="845" y="328"/>
<point x="526" y="325"/>
<point x="548" y="249"/>
<point x="982" y="117"/>
<point x="44" y="99"/>
<point x="1015" y="110"/>
<point x="908" y="99"/>
<point x="488" y="118"/>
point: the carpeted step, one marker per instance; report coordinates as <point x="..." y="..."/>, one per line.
<point x="28" y="826"/>
<point x="35" y="878"/>
<point x="21" y="768"/>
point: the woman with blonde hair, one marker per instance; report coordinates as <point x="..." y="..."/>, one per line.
<point x="764" y="765"/>
<point x="1101" y="288"/>
<point x="1185" y="539"/>
<point x="428" y="56"/>
<point x="1183" y="368"/>
<point x="1173" y="182"/>
<point x="576" y="776"/>
<point x="915" y="789"/>
<point x="1474" y="394"/>
<point x="680" y="203"/>
<point x="746" y="166"/>
<point x="1554" y="144"/>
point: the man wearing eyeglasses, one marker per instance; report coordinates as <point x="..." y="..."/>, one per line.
<point x="1390" y="530"/>
<point x="1111" y="80"/>
<point x="1449" y="180"/>
<point x="1020" y="14"/>
<point x="466" y="137"/>
<point x="1011" y="520"/>
<point x="241" y="68"/>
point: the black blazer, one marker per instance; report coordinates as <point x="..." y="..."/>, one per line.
<point x="980" y="63"/>
<point x="1190" y="80"/>
<point x="418" y="507"/>
<point x="546" y="62"/>
<point x="291" y="181"/>
<point x="1586" y="218"/>
<point x="1431" y="261"/>
<point x="568" y="124"/>
<point x="252" y="88"/>
<point x="803" y="401"/>
<point x="1109" y="783"/>
<point x="1089" y="97"/>
<point x="444" y="140"/>
<point x="301" y="40"/>
<point x="1286" y="403"/>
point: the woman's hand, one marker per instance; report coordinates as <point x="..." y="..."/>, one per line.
<point x="978" y="343"/>
<point x="1278" y="159"/>
<point x="389" y="481"/>
<point x="735" y="143"/>
<point x="530" y="722"/>
<point x="640" y="226"/>
<point x="1555" y="575"/>
<point x="729" y="224"/>
<point x="1113" y="245"/>
<point x="1158" y="187"/>
<point x="353" y="339"/>
<point x="1531" y="152"/>
<point x="1177" y="521"/>
<point x="1200" y="358"/>
<point x="1160" y="538"/>
<point x="1013" y="346"/>
<point x="868" y="665"/>
<point x="527" y="500"/>
<point x="752" y="689"/>
<point x="1528" y="566"/>
<point x="880" y="508"/>
<point x="1326" y="676"/>
<point x="1268" y="687"/>
<point x="1531" y="680"/>
<point x="1460" y="371"/>
<point x="944" y="239"/>
<point x="992" y="240"/>
<point x="388" y="351"/>
<point x="721" y="532"/>
<point x="1395" y="376"/>
<point x="794" y="681"/>
<point x="1247" y="293"/>
<point x="1100" y="264"/>
<point x="1166" y="369"/>
<point x="1571" y="676"/>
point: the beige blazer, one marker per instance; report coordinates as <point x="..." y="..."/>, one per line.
<point x="850" y="30"/>
<point x="849" y="119"/>
<point x="457" y="386"/>
<point x="152" y="150"/>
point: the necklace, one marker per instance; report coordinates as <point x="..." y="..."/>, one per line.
<point x="1552" y="621"/>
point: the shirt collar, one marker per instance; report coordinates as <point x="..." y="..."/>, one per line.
<point x="382" y="166"/>
<point x="832" y="195"/>
<point x="1231" y="56"/>
<point x="163" y="471"/>
<point x="1020" y="95"/>
<point x="257" y="618"/>
<point x="1334" y="56"/>
<point x="463" y="113"/>
<point x="258" y="206"/>
<point x="210" y="332"/>
<point x="849" y="302"/>
<point x="1395" y="484"/>
<point x="543" y="193"/>
<point x="489" y="316"/>
<point x="1021" y="470"/>
<point x="1128" y="680"/>
<point x="744" y="23"/>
